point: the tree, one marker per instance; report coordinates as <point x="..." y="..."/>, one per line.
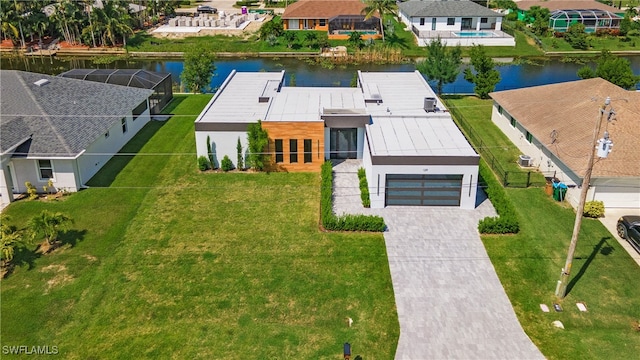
<point x="9" y="239"/>
<point x="442" y="64"/>
<point x="625" y="25"/>
<point x="311" y="39"/>
<point x="198" y="70"/>
<point x="289" y="38"/>
<point x="240" y="162"/>
<point x="50" y="225"/>
<point x="258" y="140"/>
<point x="539" y="19"/>
<point x="484" y="75"/>
<point x="273" y="27"/>
<point x="355" y="39"/>
<point x="576" y="36"/>
<point x="613" y="69"/>
<point x="381" y="8"/>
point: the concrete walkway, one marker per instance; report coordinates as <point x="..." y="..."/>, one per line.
<point x="449" y="299"/>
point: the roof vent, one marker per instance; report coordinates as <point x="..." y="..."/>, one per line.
<point x="430" y="104"/>
<point x="41" y="82"/>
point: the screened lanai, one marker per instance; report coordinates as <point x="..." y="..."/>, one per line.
<point x="160" y="83"/>
<point x="345" y="24"/>
<point x="593" y="19"/>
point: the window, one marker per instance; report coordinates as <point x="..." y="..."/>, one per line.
<point x="307" y="150"/>
<point x="322" y="22"/>
<point x="434" y="21"/>
<point x="124" y="125"/>
<point x="421" y="21"/>
<point x="513" y="121"/>
<point x="483" y="20"/>
<point x="529" y="137"/>
<point x="499" y="109"/>
<point x="106" y="135"/>
<point x="139" y="110"/>
<point x="279" y="156"/>
<point x="293" y="150"/>
<point x="45" y="169"/>
<point x="451" y="21"/>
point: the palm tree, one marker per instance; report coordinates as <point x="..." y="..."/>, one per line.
<point x="380" y="7"/>
<point x="9" y="238"/>
<point x="49" y="224"/>
<point x="8" y="17"/>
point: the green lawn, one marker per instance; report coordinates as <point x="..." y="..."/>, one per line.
<point x="488" y="137"/>
<point x="166" y="262"/>
<point x="528" y="264"/>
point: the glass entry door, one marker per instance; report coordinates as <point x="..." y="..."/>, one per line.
<point x="343" y="144"/>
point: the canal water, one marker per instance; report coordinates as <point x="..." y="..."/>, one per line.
<point x="513" y="76"/>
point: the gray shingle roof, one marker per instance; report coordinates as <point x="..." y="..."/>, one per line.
<point x="62" y="117"/>
<point x="445" y="8"/>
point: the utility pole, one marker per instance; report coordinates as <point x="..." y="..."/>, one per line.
<point x="561" y="288"/>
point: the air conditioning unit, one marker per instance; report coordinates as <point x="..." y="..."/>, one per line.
<point x="525" y="161"/>
<point x="430" y="104"/>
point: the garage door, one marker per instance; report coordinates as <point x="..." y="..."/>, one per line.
<point x="423" y="190"/>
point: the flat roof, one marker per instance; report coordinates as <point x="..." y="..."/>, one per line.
<point x="417" y="136"/>
<point x="400" y="93"/>
<point x="309" y="103"/>
<point x="244" y="97"/>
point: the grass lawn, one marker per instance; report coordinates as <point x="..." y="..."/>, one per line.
<point x="604" y="277"/>
<point x="528" y="264"/>
<point x="597" y="43"/>
<point x="477" y="113"/>
<point x="166" y="262"/>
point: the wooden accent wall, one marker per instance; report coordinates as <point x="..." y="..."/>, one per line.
<point x="300" y="131"/>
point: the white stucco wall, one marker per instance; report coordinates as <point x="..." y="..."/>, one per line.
<point x="64" y="174"/>
<point x="222" y="143"/>
<point x="103" y="148"/>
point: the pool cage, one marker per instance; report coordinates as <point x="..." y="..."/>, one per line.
<point x="592" y="19"/>
<point x="347" y="23"/>
<point x="160" y="83"/>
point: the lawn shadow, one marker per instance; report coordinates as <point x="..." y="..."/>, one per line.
<point x="23" y="256"/>
<point x="598" y="248"/>
<point x="109" y="172"/>
<point x="72" y="237"/>
<point x="395" y="40"/>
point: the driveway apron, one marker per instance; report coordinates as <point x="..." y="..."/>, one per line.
<point x="449" y="299"/>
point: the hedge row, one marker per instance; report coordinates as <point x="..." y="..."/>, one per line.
<point x="345" y="222"/>
<point x="364" y="188"/>
<point x="507" y="220"/>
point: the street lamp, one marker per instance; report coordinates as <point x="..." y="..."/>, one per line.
<point x="603" y="147"/>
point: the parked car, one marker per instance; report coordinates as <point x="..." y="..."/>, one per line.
<point x="629" y="229"/>
<point x="207" y="9"/>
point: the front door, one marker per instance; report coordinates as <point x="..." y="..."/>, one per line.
<point x="343" y="144"/>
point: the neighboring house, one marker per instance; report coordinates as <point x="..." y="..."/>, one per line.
<point x="159" y="82"/>
<point x="554" y="125"/>
<point x="62" y="129"/>
<point x="455" y="22"/>
<point x="411" y="149"/>
<point x="593" y="14"/>
<point x="337" y="17"/>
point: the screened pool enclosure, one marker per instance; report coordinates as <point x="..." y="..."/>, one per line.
<point x="160" y="83"/>
<point x="592" y="19"/>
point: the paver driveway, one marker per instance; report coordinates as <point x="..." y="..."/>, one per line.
<point x="450" y="302"/>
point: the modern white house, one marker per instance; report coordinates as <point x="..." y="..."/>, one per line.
<point x="554" y="125"/>
<point x="412" y="151"/>
<point x="61" y="129"/>
<point x="455" y="22"/>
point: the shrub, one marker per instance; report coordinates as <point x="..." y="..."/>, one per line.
<point x="226" y="164"/>
<point x="203" y="163"/>
<point x="240" y="161"/>
<point x="346" y="222"/>
<point x="593" y="209"/>
<point x="31" y="190"/>
<point x="507" y="220"/>
<point x="364" y="188"/>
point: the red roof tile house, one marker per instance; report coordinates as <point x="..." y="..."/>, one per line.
<point x="338" y="17"/>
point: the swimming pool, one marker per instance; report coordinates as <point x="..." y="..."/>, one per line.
<point x="474" y="33"/>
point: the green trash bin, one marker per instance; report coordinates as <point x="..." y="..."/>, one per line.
<point x="559" y="191"/>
